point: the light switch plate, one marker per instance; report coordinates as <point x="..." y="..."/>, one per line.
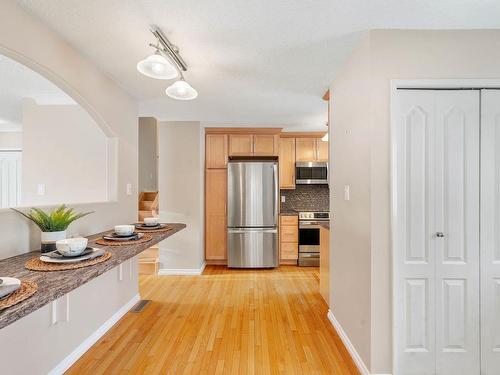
<point x="129" y="189"/>
<point x="40" y="189"/>
<point x="347" y="192"/>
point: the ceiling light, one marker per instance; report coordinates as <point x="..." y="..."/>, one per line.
<point x="181" y="90"/>
<point x="325" y="138"/>
<point x="157" y="66"/>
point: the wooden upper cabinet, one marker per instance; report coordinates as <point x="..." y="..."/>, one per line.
<point x="305" y="149"/>
<point x="321" y="150"/>
<point x="216" y="151"/>
<point x="287" y="163"/>
<point x="240" y="145"/>
<point x="265" y="145"/>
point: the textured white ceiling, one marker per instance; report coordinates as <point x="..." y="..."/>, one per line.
<point x="260" y="61"/>
<point x="17" y="82"/>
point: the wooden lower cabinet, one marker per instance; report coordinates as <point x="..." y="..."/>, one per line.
<point x="289" y="239"/>
<point x="215" y="214"/>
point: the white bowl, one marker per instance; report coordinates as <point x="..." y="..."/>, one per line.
<point x="71" y="247"/>
<point x="150" y="221"/>
<point x="124" y="230"/>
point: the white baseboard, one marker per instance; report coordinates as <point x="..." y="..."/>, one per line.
<point x="350" y="347"/>
<point x="93" y="338"/>
<point x="182" y="271"/>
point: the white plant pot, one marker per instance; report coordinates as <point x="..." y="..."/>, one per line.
<point x="48" y="240"/>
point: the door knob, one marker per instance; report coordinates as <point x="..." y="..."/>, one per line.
<point x="440" y="234"/>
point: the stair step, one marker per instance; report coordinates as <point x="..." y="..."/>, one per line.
<point x="146" y="205"/>
<point x="149" y="268"/>
<point x="149" y="195"/>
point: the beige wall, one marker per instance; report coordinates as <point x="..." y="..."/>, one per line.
<point x="11" y="140"/>
<point x="37" y="46"/>
<point x="350" y="227"/>
<point x="148" y="154"/>
<point x="393" y="54"/>
<point x="64" y="150"/>
<point x="181" y="186"/>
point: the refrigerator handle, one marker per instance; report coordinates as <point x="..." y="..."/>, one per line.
<point x="276" y="192"/>
<point x="247" y="230"/>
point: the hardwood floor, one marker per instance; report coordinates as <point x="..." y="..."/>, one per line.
<point x="224" y="322"/>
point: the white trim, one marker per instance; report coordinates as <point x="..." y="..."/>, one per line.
<point x="93" y="338"/>
<point x="182" y="271"/>
<point x="349" y="346"/>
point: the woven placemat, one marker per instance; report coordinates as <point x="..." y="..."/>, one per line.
<point x="26" y="290"/>
<point x="35" y="264"/>
<point x="145" y="238"/>
<point x="158" y="230"/>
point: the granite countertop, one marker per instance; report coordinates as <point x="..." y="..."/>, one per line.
<point x="324" y="224"/>
<point x="52" y="285"/>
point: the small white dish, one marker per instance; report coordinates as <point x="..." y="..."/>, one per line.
<point x="9" y="285"/>
<point x="124" y="230"/>
<point x="94" y="254"/>
<point x="150" y="221"/>
<point x="72" y="247"/>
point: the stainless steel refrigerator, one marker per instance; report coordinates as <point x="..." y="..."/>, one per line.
<point x="252" y="214"/>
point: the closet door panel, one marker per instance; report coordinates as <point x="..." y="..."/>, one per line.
<point x="490" y="231"/>
<point x="457" y="217"/>
<point x="414" y="279"/>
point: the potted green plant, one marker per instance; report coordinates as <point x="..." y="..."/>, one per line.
<point x="52" y="224"/>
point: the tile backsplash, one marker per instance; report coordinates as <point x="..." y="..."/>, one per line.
<point x="306" y="198"/>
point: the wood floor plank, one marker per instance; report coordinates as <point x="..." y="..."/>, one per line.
<point x="226" y="321"/>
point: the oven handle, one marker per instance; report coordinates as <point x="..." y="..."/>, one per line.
<point x="309" y="225"/>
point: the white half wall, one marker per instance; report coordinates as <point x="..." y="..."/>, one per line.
<point x="37" y="46"/>
<point x="181" y="188"/>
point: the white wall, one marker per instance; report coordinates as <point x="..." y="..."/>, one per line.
<point x="11" y="140"/>
<point x="392" y="54"/>
<point x="65" y="150"/>
<point x="37" y="46"/>
<point x="181" y="187"/>
<point x="148" y="154"/>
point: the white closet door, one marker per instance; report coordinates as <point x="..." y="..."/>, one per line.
<point x="436" y="315"/>
<point x="490" y="232"/>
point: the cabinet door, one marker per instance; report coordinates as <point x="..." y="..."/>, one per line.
<point x="305" y="149"/>
<point x="289" y="234"/>
<point x="216" y="151"/>
<point x="287" y="163"/>
<point x="321" y="150"/>
<point x="265" y="145"/>
<point x="289" y="251"/>
<point x="241" y="145"/>
<point x="215" y="214"/>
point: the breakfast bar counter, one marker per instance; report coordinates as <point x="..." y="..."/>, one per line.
<point x="53" y="285"/>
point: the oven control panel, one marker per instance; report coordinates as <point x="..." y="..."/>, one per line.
<point x="314" y="215"/>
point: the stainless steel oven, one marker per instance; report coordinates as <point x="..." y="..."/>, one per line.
<point x="311" y="173"/>
<point x="309" y="237"/>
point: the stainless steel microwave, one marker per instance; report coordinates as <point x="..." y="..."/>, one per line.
<point x="311" y="173"/>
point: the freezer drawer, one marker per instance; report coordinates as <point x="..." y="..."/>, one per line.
<point x="252" y="248"/>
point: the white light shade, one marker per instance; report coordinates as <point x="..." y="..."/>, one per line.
<point x="157" y="66"/>
<point x="325" y="138"/>
<point x="181" y="90"/>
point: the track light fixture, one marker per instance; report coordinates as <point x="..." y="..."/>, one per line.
<point x="167" y="63"/>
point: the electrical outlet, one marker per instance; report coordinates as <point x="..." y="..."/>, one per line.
<point x="283" y="199"/>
